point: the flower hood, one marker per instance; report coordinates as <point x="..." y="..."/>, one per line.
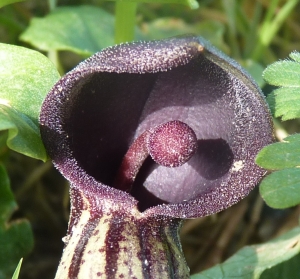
<point x="95" y="112"/>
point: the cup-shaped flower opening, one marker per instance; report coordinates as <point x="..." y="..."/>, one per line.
<point x="97" y="111"/>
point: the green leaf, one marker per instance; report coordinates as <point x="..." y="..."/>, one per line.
<point x="16" y="238"/>
<point x="281" y="189"/>
<point x="23" y="133"/>
<point x="17" y="271"/>
<point x="288" y="269"/>
<point x="83" y="30"/>
<point x="283" y="73"/>
<point x="295" y="56"/>
<point x="280" y="155"/>
<point x="285" y="102"/>
<point x="7" y="2"/>
<point x="252" y="262"/>
<point x="26" y="76"/>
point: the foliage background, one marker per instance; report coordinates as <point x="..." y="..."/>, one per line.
<point x="256" y="33"/>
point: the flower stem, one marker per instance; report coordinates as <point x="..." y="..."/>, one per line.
<point x="54" y="57"/>
<point x="52" y="4"/>
<point x="125" y="21"/>
<point x="53" y="54"/>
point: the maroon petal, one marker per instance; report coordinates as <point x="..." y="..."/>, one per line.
<point x="93" y="114"/>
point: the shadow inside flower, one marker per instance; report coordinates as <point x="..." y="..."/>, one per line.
<point x="207" y="169"/>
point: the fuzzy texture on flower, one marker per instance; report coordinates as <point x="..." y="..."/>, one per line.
<point x="95" y="112"/>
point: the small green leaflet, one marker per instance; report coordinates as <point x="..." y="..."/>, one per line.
<point x="285" y="101"/>
<point x="295" y="56"/>
<point x="281" y="189"/>
<point x="260" y="261"/>
<point x="283" y="73"/>
<point x="26" y="76"/>
<point x="281" y="155"/>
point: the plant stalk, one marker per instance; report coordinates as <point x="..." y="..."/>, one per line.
<point x="125" y="21"/>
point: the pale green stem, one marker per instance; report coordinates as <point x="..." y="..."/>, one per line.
<point x="125" y="21"/>
<point x="54" y="58"/>
<point x="52" y="4"/>
<point x="53" y="54"/>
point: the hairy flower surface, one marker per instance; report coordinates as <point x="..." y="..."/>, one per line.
<point x="101" y="120"/>
<point x="95" y="112"/>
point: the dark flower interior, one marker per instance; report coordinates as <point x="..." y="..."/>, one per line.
<point x="105" y="111"/>
<point x="109" y="110"/>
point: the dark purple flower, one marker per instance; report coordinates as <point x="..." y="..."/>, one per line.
<point x="113" y="102"/>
